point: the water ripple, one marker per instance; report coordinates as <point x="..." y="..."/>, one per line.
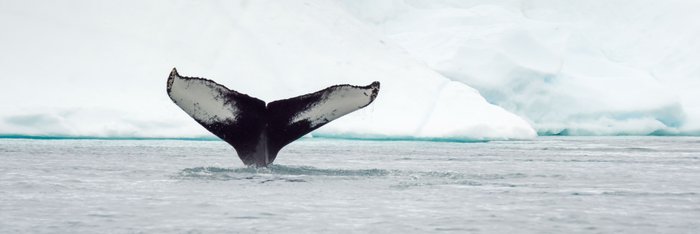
<point x="273" y="173"/>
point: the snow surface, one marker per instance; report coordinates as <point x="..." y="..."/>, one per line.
<point x="604" y="67"/>
<point x="99" y="68"/>
<point x="618" y="67"/>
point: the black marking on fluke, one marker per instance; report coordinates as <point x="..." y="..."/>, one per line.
<point x="258" y="131"/>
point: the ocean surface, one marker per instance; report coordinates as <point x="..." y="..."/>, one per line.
<point x="546" y="185"/>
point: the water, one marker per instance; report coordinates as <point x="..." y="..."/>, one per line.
<point x="548" y="185"/>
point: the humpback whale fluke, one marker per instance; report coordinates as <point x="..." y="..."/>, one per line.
<point x="257" y="131"/>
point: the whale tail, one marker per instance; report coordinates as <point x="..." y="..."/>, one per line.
<point x="256" y="130"/>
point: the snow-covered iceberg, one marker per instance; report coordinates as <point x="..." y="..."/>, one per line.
<point x="98" y="68"/>
<point x="603" y="67"/>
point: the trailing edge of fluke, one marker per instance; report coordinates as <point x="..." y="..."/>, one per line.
<point x="256" y="130"/>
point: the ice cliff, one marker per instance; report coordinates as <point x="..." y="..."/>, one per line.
<point x="613" y="67"/>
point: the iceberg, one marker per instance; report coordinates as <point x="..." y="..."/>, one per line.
<point x="99" y="68"/>
<point x="619" y="67"/>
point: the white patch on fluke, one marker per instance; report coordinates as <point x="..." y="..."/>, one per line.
<point x="204" y="100"/>
<point x="334" y="104"/>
